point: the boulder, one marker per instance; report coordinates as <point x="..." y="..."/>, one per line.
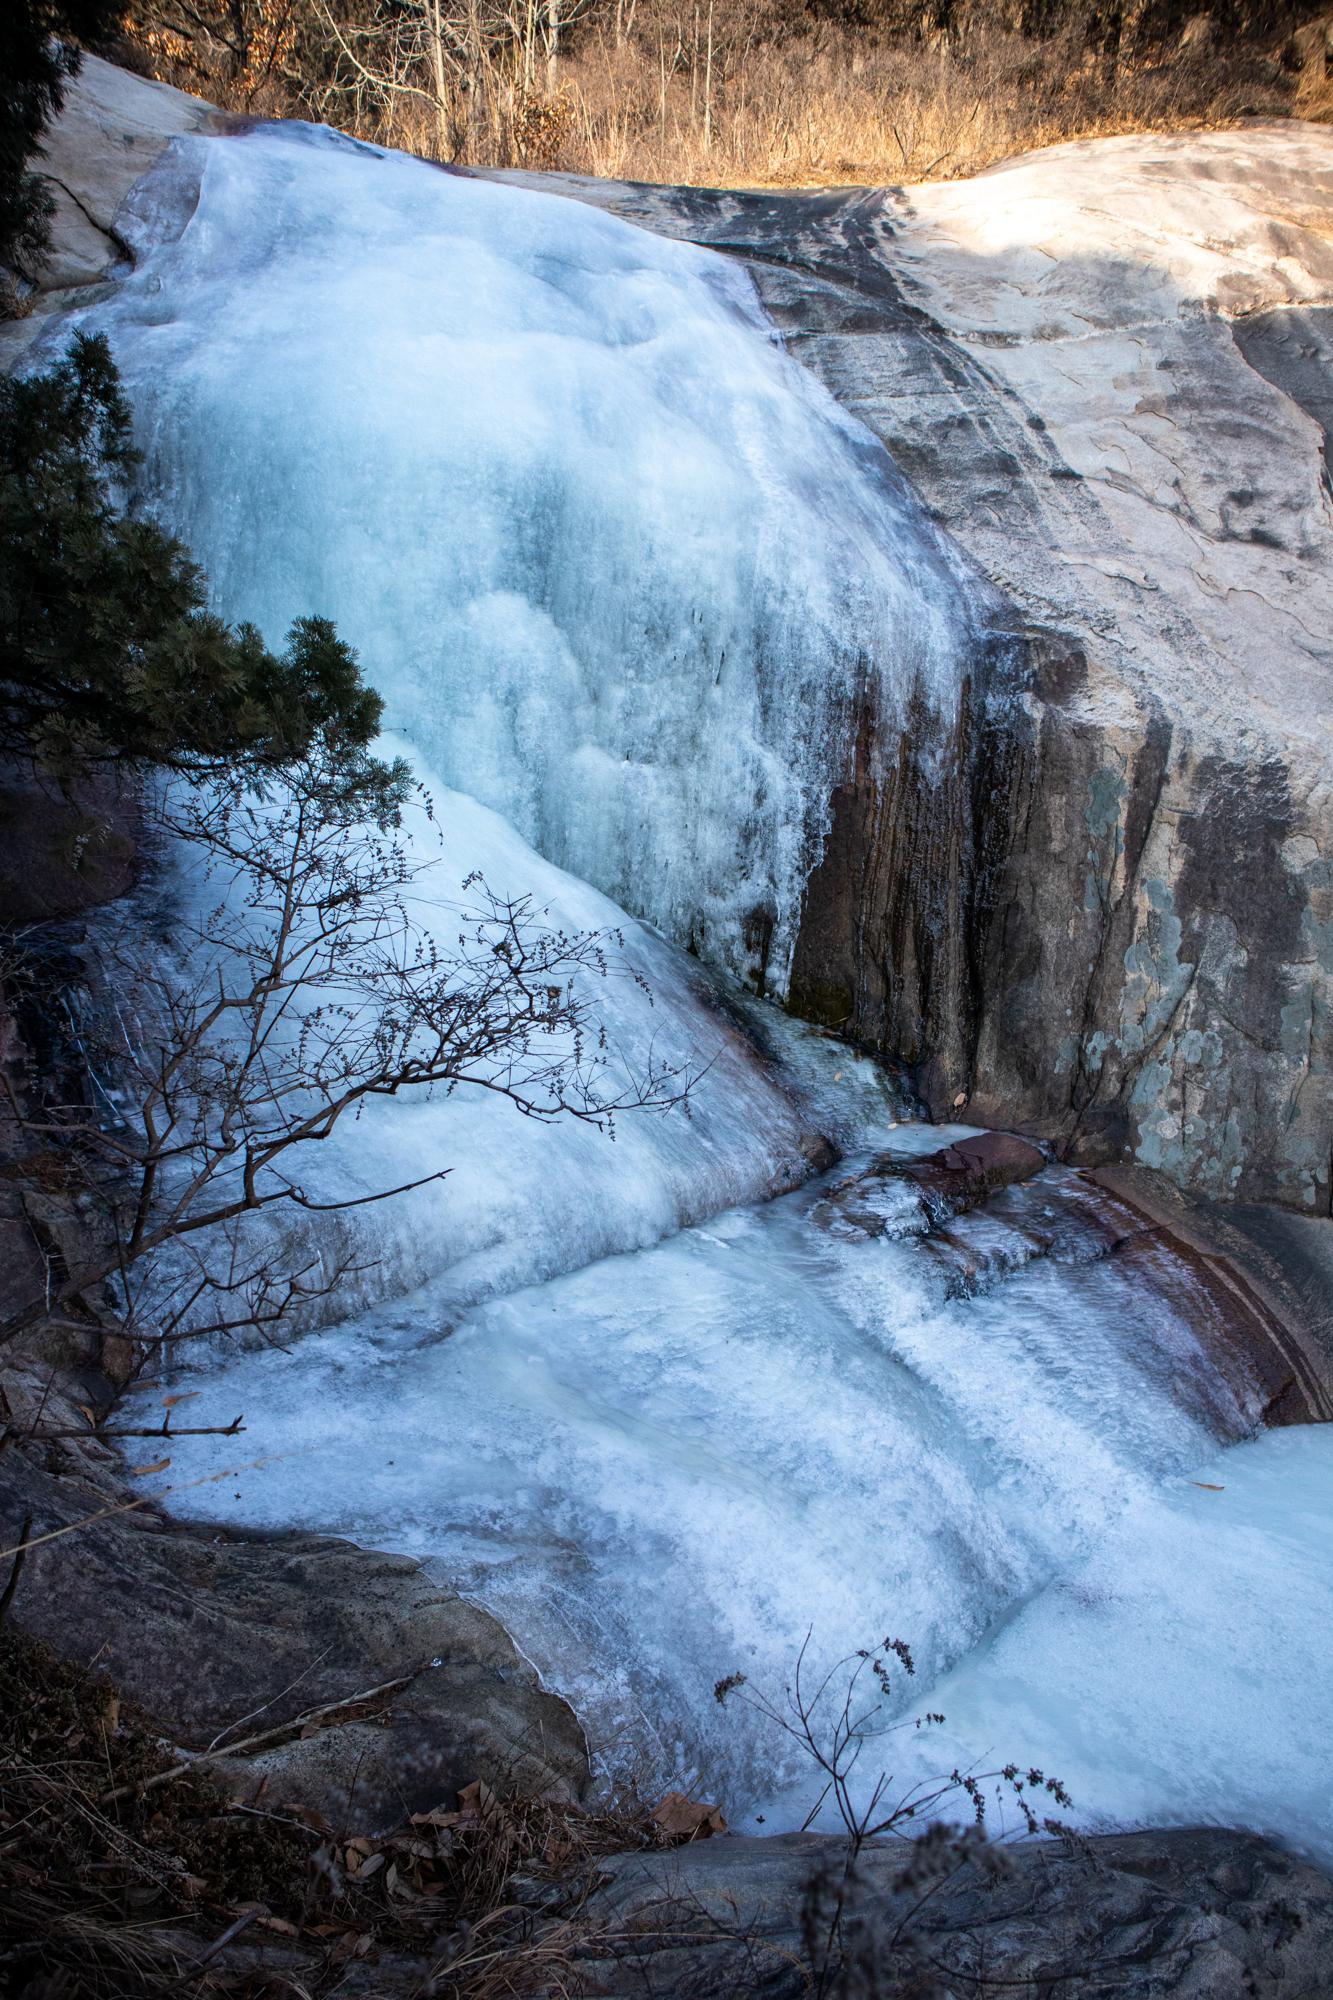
<point x="1311" y="46"/>
<point x="365" y="1690"/>
<point x="984" y="1161"/>
<point x="947" y="1183"/>
<point x="63" y="852"/>
<point x="113" y="128"/>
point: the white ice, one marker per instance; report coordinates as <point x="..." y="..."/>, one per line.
<point x="1182" y="1674"/>
<point x="664" y="1468"/>
<point x="617" y="563"/>
<point x="522" y="1199"/>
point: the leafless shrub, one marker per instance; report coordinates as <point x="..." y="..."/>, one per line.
<point x="306" y="976"/>
<point x="838" y="1716"/>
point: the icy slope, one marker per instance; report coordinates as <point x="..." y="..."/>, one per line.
<point x="666" y="1468"/>
<point x="619" y="566"/>
<point x="522" y="1200"/>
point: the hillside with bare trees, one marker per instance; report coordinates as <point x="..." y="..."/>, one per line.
<point x="740" y="92"/>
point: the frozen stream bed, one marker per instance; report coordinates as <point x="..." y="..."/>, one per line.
<point x="668" y="1466"/>
<point x="625" y="576"/>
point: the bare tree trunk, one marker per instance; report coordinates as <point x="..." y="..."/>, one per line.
<point x="661" y="98"/>
<point x="475" y="111"/>
<point x="708" y="86"/>
<point x="552" y="43"/>
<point x="694" y="70"/>
<point x="437" y="67"/>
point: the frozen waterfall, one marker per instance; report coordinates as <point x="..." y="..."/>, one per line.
<point x="621" y="570"/>
<point x="617" y="563"/>
<point x="666" y="1468"/>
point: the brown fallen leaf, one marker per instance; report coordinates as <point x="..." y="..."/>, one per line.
<point x="145" y="1471"/>
<point x="476" y="1803"/>
<point x="308" y="1815"/>
<point x="185" y="1396"/>
<point x="679" y="1818"/>
<point x="476" y="1797"/>
<point x="1205" y="1487"/>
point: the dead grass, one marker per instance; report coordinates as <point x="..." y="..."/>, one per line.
<point x="830" y="109"/>
<point x="121" y="1877"/>
<point x="695" y="99"/>
<point x="737" y="93"/>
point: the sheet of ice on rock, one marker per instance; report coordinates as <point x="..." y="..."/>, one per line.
<point x="669" y="1466"/>
<point x="522" y="1199"/>
<point x="1182" y="1673"/>
<point x="616" y="562"/>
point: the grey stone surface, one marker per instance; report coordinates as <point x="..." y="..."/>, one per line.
<point x="226" y="1637"/>
<point x="1106" y="370"/>
<point x="113" y="128"/>
<point x="1199" y="1914"/>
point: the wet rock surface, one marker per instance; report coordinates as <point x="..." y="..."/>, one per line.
<point x="1252" y="1282"/>
<point x="959" y="1177"/>
<point x="962" y="1175"/>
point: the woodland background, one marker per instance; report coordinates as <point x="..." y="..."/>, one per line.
<point x="741" y="92"/>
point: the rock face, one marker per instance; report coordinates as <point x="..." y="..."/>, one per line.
<point x="63" y="853"/>
<point x="112" y="129"/>
<point x="1106" y="913"/>
<point x="1194" y="1915"/>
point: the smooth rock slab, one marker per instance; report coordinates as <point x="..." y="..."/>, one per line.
<point x="224" y="1637"/>
<point x="1199" y="1914"/>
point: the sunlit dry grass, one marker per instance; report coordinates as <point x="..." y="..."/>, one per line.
<point x="810" y="114"/>
<point x="833" y="106"/>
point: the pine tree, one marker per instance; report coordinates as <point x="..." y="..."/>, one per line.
<point x="107" y="653"/>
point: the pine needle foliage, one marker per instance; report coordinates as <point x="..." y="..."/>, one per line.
<point x="108" y="654"/>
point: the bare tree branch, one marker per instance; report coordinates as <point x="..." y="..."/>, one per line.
<point x="310" y="974"/>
